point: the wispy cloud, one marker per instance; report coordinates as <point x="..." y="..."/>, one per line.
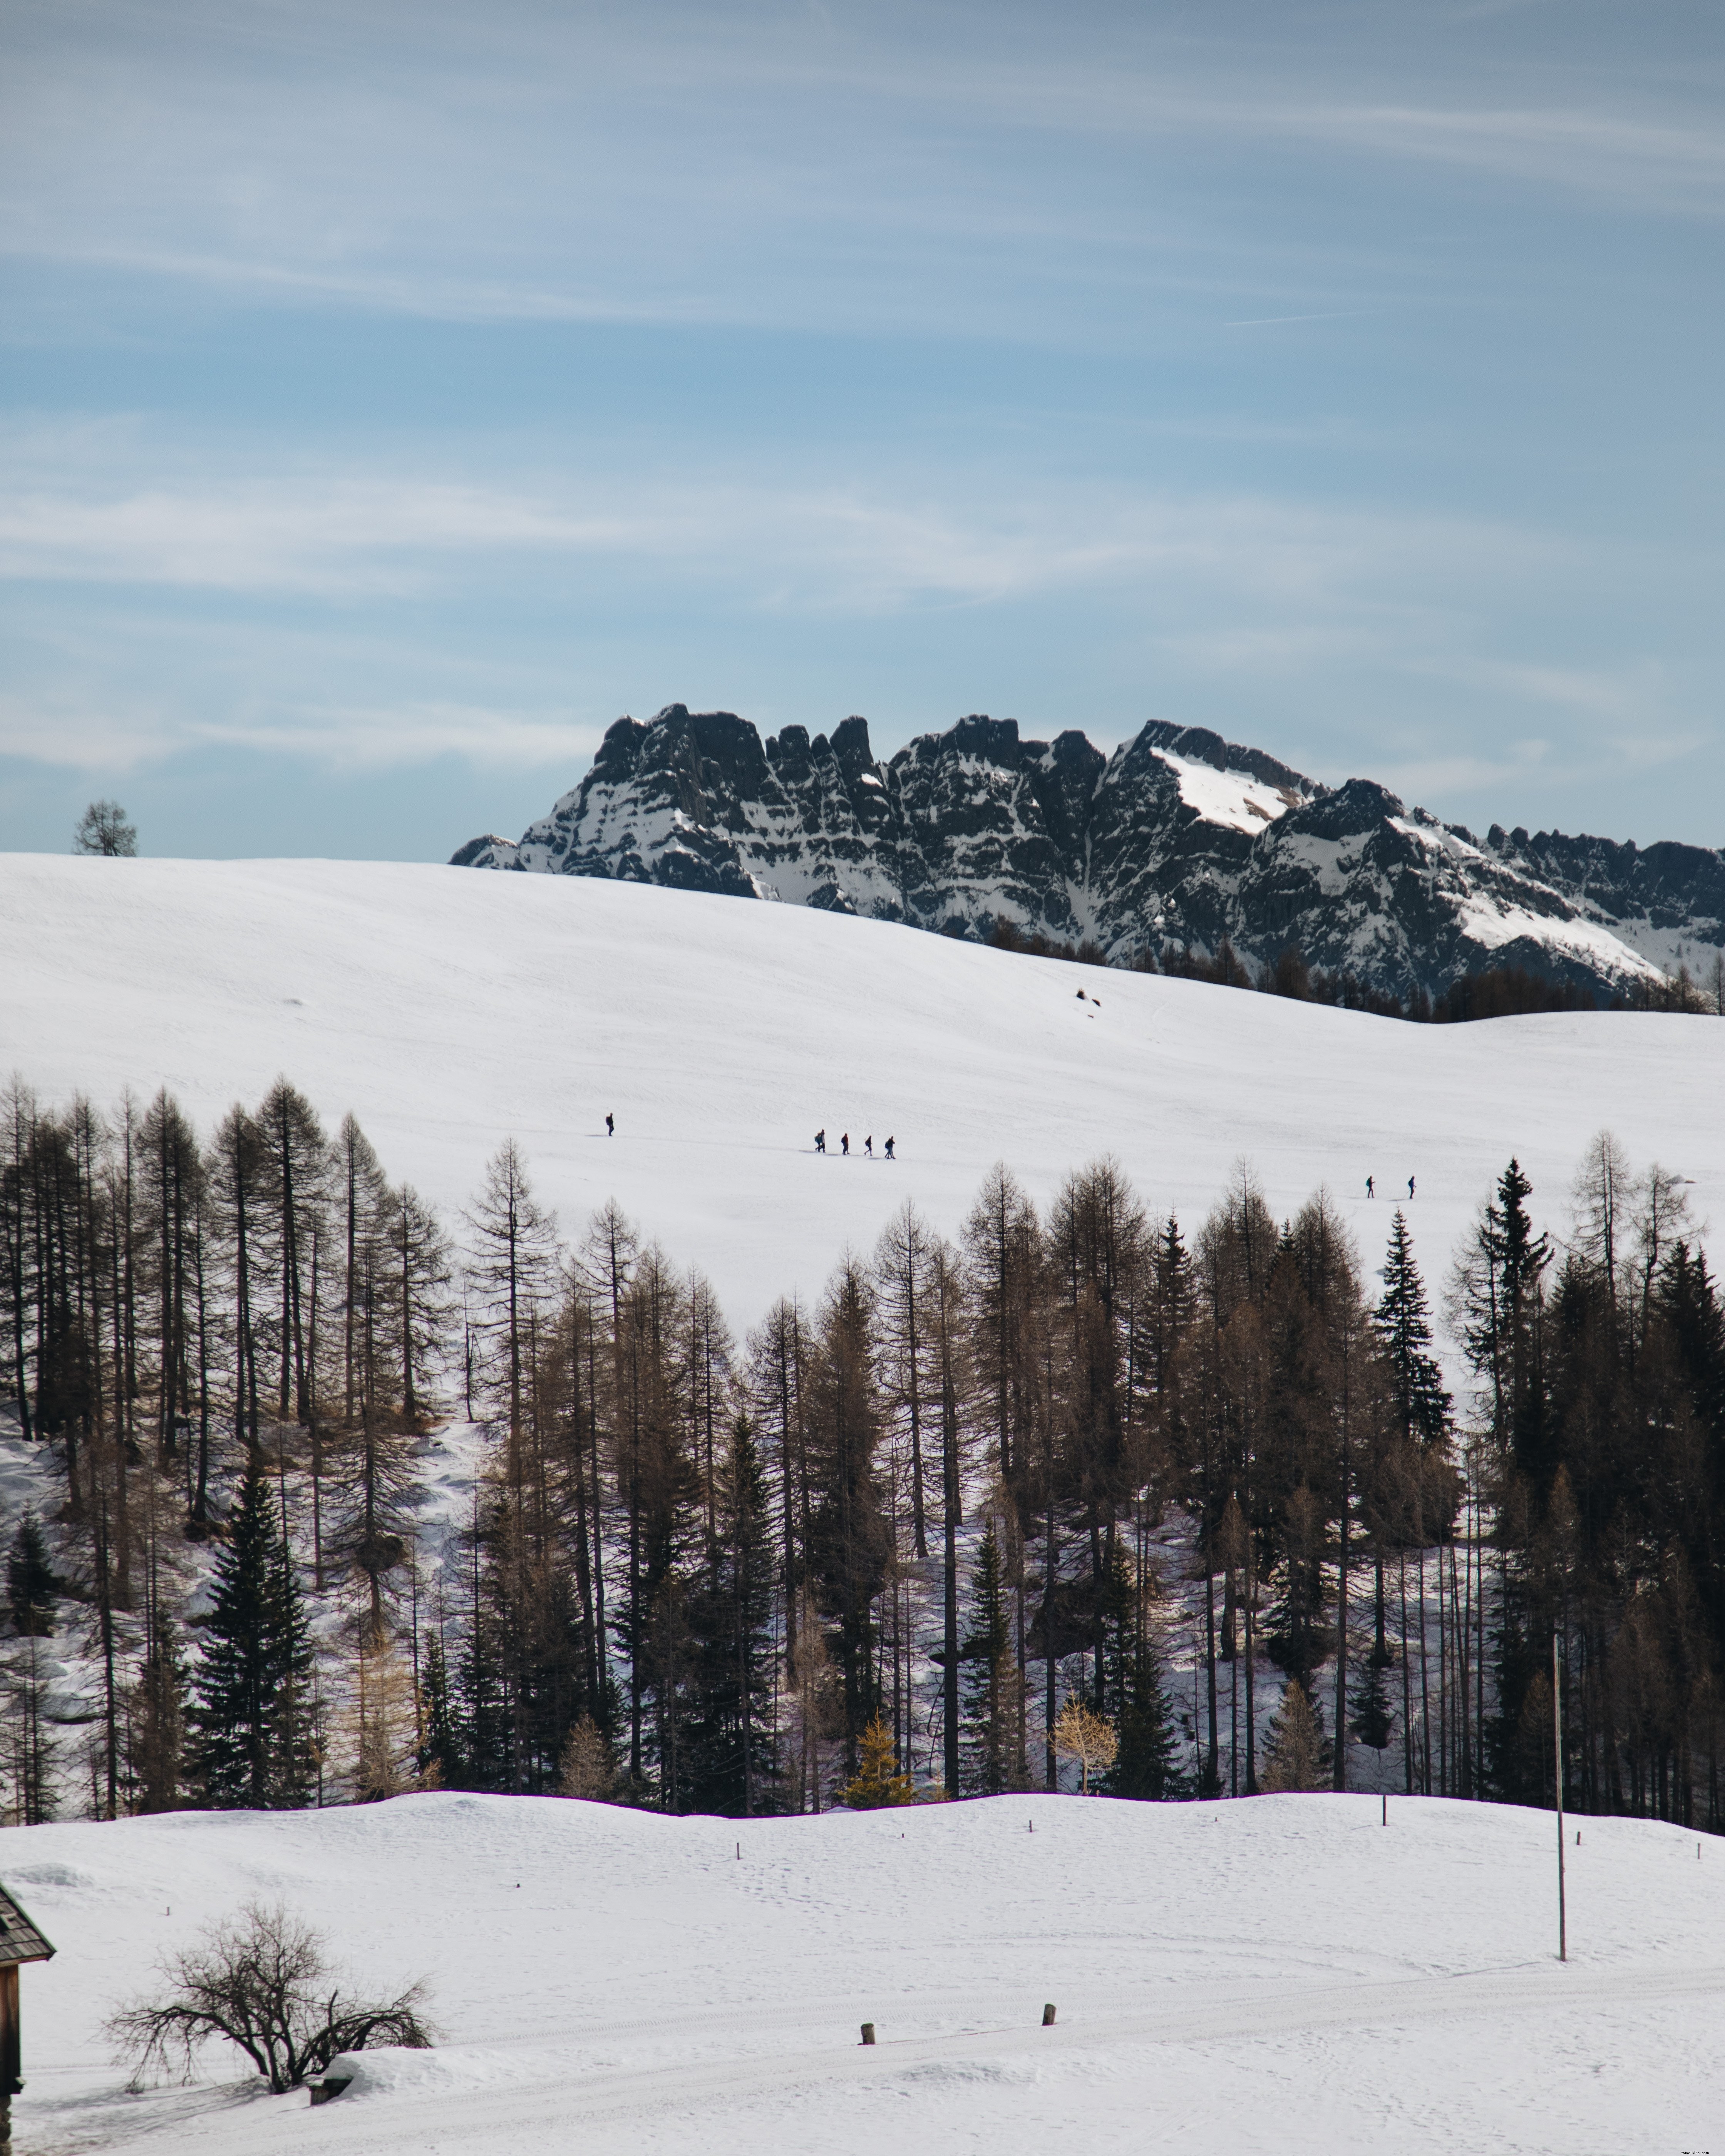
<point x="731" y="164"/>
<point x="788" y="543"/>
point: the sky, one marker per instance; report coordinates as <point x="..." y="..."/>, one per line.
<point x="390" y="396"/>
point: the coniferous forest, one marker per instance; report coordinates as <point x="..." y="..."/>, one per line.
<point x="1166" y="1508"/>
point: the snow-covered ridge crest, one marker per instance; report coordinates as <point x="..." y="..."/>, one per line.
<point x="1179" y="837"/>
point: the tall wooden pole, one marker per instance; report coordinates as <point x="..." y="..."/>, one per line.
<point x="1557" y="1724"/>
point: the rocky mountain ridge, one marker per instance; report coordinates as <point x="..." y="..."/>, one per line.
<point x="1178" y="838"/>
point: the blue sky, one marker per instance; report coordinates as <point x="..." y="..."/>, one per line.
<point x="391" y="396"/>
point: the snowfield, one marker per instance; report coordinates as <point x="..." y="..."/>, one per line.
<point x="1283" y="1975"/>
<point x="448" y="1008"/>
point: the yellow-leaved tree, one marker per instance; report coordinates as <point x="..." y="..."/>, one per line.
<point x="1085" y="1737"/>
<point x="877" y="1780"/>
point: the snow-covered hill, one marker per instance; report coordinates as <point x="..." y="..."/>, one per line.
<point x="1285" y="1976"/>
<point x="1176" y="838"/>
<point x="449" y="1010"/>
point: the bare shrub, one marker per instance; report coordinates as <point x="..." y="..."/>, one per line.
<point x="258" y="1980"/>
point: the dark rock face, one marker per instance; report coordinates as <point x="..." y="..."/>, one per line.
<point x="1180" y="837"/>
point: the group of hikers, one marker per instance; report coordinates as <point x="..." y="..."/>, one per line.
<point x="1372" y="1186"/>
<point x="887" y="1151"/>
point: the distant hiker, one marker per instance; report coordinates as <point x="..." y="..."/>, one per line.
<point x="1370" y="1192"/>
<point x="820" y="1140"/>
<point x="889" y="1148"/>
<point x="869" y="1145"/>
<point x="1410" y="1186"/>
<point x="844" y="1143"/>
<point x="610" y="1127"/>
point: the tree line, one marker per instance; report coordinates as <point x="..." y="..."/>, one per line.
<point x="1202" y="1508"/>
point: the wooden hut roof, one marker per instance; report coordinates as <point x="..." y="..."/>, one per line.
<point x="19" y="1938"/>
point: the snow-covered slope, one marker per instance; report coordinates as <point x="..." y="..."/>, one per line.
<point x="449" y="1010"/>
<point x="1176" y="838"/>
<point x="1287" y="1975"/>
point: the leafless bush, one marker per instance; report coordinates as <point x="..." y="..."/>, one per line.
<point x="258" y="1980"/>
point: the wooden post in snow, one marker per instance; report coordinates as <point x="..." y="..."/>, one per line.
<point x="1557" y="1727"/>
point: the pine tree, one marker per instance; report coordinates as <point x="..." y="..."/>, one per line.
<point x="30" y="1585"/>
<point x="296" y="1732"/>
<point x="1421" y="1405"/>
<point x="253" y="1711"/>
<point x="1144" y="1767"/>
<point x="728" y="1741"/>
<point x="1371" y="1721"/>
<point x="849" y="1539"/>
<point x="990" y="1677"/>
<point x="1295" y="1634"/>
<point x="1297" y="1756"/>
<point x="877" y="1782"/>
<point x="440" y="1756"/>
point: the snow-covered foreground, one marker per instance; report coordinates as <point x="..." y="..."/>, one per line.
<point x="1283" y="1975"/>
<point x="448" y="1009"/>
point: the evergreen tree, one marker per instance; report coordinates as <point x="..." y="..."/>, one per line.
<point x="1296" y="1634"/>
<point x="1371" y="1721"/>
<point x="729" y="1737"/>
<point x="849" y="1539"/>
<point x="1421" y="1404"/>
<point x="253" y="1709"/>
<point x="990" y="1677"/>
<point x="30" y="1585"/>
<point x="439" y="1756"/>
<point x="1144" y="1767"/>
<point x="297" y="1733"/>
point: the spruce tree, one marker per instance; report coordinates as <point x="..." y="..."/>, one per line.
<point x="1130" y="1689"/>
<point x="253" y="1711"/>
<point x="439" y="1756"/>
<point x="1372" y="1721"/>
<point x="1421" y="1404"/>
<point x="728" y="1741"/>
<point x="30" y="1585"/>
<point x="990" y="1677"/>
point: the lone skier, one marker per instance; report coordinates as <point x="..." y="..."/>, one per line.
<point x="890" y="1142"/>
<point x="820" y="1140"/>
<point x="610" y="1127"/>
<point x="844" y="1144"/>
<point x="1370" y="1192"/>
<point x="1410" y="1186"/>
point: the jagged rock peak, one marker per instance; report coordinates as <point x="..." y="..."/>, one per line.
<point x="1180" y="837"/>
